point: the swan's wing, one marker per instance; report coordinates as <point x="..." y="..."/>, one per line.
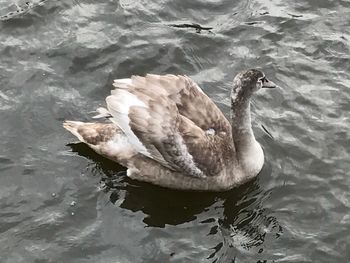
<point x="190" y="100"/>
<point x="149" y="115"/>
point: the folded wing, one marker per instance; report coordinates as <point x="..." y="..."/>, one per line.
<point x="170" y="120"/>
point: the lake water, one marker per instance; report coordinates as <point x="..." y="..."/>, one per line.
<point x="60" y="202"/>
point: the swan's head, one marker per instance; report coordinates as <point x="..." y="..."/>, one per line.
<point x="247" y="82"/>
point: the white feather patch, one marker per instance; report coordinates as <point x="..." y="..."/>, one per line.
<point x="119" y="105"/>
<point x="187" y="158"/>
<point x="102" y="113"/>
<point x="120" y="143"/>
<point x="122" y="83"/>
<point x="210" y="131"/>
<point x="132" y="172"/>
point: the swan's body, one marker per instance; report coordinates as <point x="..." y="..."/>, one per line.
<point x="166" y="131"/>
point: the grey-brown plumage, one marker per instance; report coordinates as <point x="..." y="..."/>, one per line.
<point x="166" y="131"/>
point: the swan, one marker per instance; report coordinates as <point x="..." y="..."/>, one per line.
<point x="166" y="131"/>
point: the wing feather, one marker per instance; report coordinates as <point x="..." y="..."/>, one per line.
<point x="166" y="118"/>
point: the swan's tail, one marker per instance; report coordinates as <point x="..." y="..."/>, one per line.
<point x="73" y="127"/>
<point x="106" y="139"/>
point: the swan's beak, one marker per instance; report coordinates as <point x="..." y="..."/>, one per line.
<point x="269" y="84"/>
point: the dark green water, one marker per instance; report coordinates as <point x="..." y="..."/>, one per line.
<point x="63" y="203"/>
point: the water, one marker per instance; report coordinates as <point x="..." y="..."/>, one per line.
<point x="60" y="202"/>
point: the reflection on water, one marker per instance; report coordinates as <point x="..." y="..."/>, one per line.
<point x="237" y="217"/>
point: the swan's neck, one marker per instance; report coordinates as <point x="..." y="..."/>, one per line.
<point x="241" y="120"/>
<point x="249" y="152"/>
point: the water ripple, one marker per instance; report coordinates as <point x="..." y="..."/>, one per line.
<point x="58" y="59"/>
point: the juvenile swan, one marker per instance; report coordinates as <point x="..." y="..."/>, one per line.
<point x="168" y="132"/>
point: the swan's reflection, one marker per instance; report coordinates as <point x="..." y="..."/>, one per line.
<point x="240" y="221"/>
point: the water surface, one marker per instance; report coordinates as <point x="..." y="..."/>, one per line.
<point x="60" y="202"/>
